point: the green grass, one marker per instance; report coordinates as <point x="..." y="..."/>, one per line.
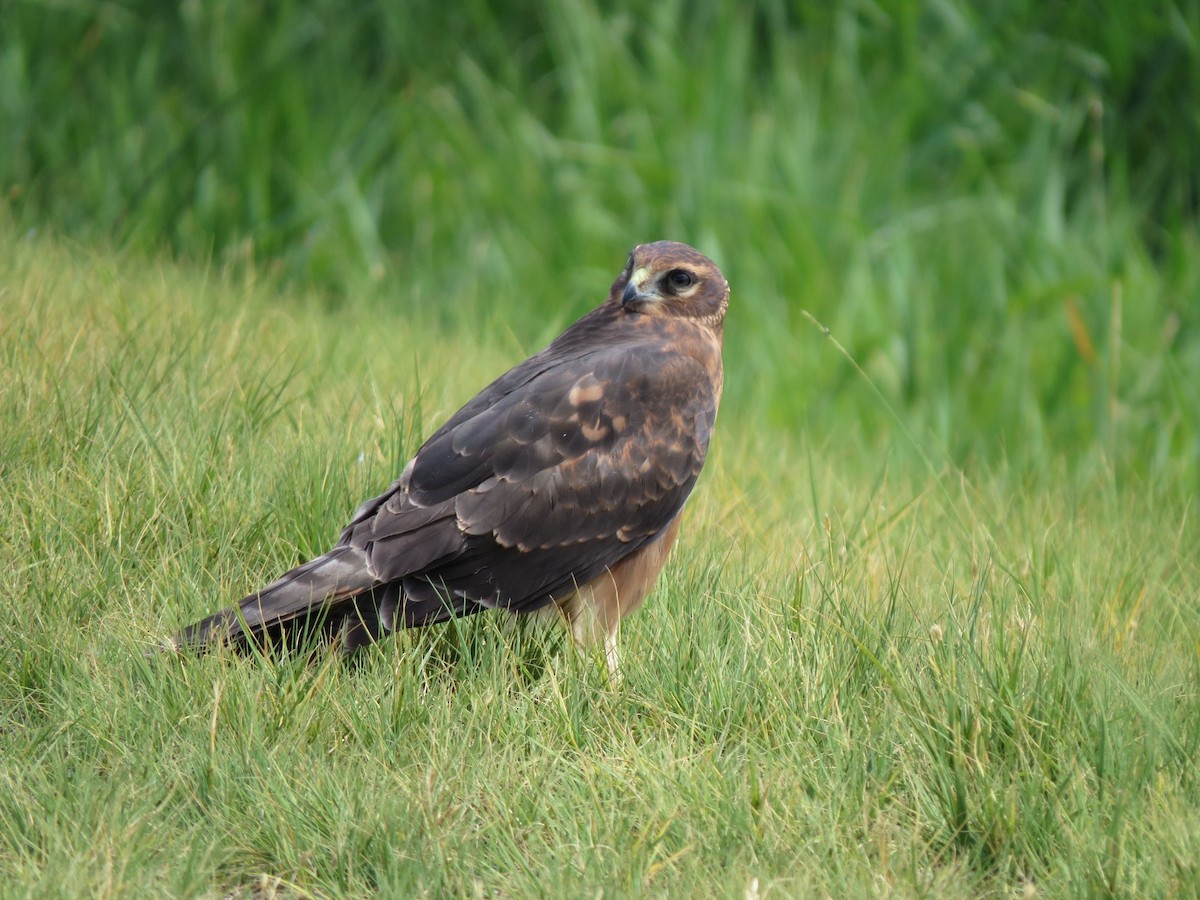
<point x="931" y="628"/>
<point x="954" y="189"/>
<point x="858" y="676"/>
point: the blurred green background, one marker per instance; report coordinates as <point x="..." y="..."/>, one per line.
<point x="992" y="205"/>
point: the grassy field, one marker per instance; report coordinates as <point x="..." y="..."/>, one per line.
<point x="932" y="626"/>
<point x="991" y="205"/>
<point x="859" y="675"/>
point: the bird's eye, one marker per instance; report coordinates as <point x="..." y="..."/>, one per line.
<point x="680" y="280"/>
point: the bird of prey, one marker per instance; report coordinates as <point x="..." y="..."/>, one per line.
<point x="558" y="487"/>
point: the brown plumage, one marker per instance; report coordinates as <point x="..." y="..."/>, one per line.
<point x="558" y="486"/>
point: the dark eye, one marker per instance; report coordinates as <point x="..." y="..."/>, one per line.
<point x="680" y="280"/>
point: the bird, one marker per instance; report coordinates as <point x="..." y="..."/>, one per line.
<point x="557" y="489"/>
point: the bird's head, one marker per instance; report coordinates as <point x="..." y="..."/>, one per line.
<point x="670" y="279"/>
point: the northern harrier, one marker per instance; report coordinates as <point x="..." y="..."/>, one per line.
<point x="559" y="485"/>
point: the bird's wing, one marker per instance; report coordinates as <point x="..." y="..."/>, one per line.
<point x="545" y="486"/>
<point x="569" y="349"/>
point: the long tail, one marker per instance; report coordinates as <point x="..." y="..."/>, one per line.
<point x="326" y="595"/>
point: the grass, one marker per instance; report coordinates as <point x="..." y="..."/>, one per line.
<point x="931" y="628"/>
<point x="858" y="676"/>
<point x="965" y="195"/>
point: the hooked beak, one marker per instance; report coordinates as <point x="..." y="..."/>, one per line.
<point x="634" y="295"/>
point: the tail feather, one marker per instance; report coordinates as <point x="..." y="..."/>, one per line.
<point x="320" y="594"/>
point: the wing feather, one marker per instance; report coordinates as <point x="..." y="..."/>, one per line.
<point x="562" y="472"/>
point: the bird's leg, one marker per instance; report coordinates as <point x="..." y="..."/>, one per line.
<point x="610" y="657"/>
<point x="592" y="626"/>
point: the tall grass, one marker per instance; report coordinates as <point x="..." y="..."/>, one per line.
<point x="856" y="677"/>
<point x="931" y="627"/>
<point x="991" y="205"/>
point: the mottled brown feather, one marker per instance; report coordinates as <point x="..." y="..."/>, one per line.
<point x="561" y="482"/>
